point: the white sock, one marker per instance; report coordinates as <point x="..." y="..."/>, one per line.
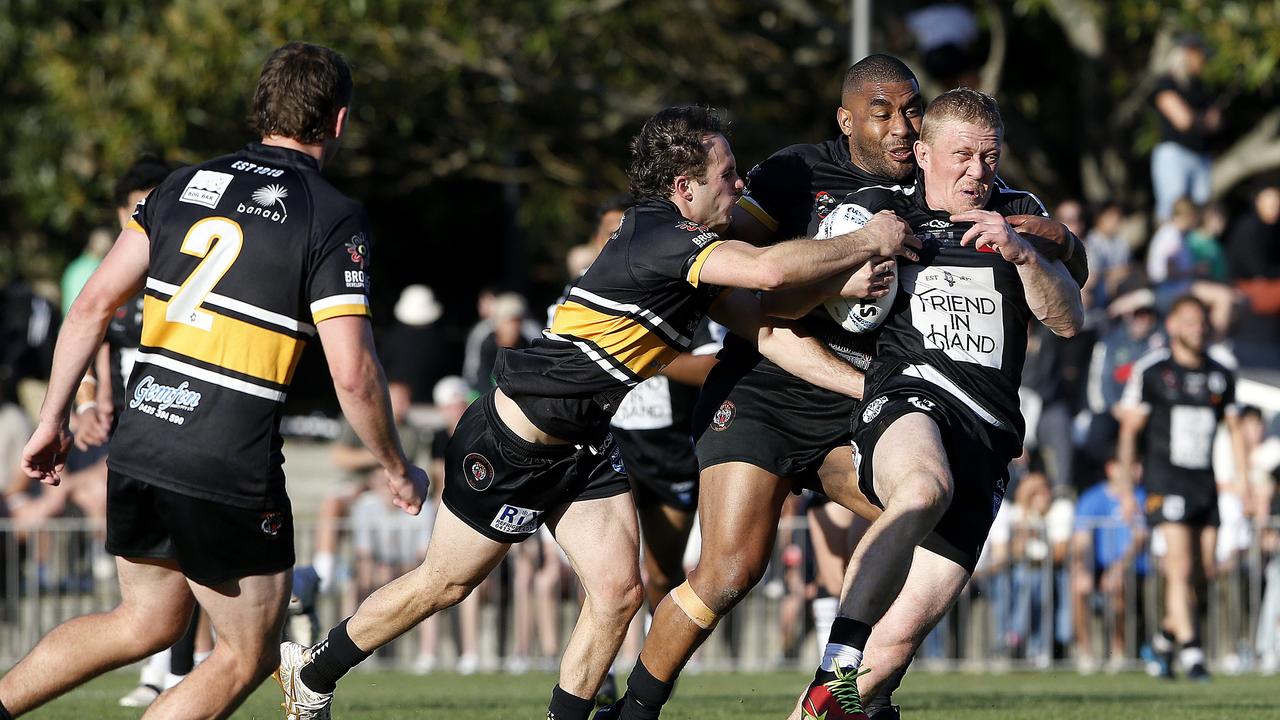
<point x="156" y="668"/>
<point x="824" y="615"/>
<point x="170" y="680"/>
<point x="1189" y="656"/>
<point x="323" y="564"/>
<point x="842" y="656"/>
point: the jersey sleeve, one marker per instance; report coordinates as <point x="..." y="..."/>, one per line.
<point x="777" y="194"/>
<point x="1137" y="392"/>
<point x="677" y="251"/>
<point x="338" y="283"/>
<point x="143" y="217"/>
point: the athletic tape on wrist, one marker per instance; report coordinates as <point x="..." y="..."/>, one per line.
<point x="688" y="601"/>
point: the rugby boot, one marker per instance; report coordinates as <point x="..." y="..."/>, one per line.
<point x="834" y="696"/>
<point x="300" y="701"/>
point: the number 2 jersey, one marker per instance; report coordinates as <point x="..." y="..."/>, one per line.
<point x="247" y="253"/>
<point x="629" y="315"/>
<point x="960" y="317"/>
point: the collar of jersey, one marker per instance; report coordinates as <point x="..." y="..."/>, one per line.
<point x="282" y="155"/>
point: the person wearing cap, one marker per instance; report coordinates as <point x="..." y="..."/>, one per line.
<point x="1188" y="116"/>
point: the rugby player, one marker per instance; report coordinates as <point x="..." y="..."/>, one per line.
<point x="763" y="430"/>
<point x="940" y="420"/>
<point x="1176" y="398"/>
<point x="244" y="258"/>
<point x="536" y="449"/>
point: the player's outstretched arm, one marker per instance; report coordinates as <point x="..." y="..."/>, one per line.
<point x="801" y="355"/>
<point x="362" y="393"/>
<point x="119" y="276"/>
<point x="799" y="262"/>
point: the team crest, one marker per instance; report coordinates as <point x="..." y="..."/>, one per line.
<point x="823" y="204"/>
<point x="479" y="471"/>
<point x="922" y="403"/>
<point x="724" y="416"/>
<point x="272" y="523"/>
<point x="873" y="409"/>
<point x="358" y="249"/>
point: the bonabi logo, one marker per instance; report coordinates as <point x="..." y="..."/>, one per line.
<point x="267" y="199"/>
<point x="479" y="471"/>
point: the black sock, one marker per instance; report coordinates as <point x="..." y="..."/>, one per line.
<point x="847" y="631"/>
<point x="331" y="659"/>
<point x="646" y="694"/>
<point x="4" y="713"/>
<point x="566" y="706"/>
<point x="182" y="654"/>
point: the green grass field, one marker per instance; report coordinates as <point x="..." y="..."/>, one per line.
<point x="925" y="696"/>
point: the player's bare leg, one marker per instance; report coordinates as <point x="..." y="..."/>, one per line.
<point x="1178" y="595"/>
<point x="931" y="588"/>
<point x="738" y="508"/>
<point x="154" y="609"/>
<point x="602" y="541"/>
<point x="248" y="615"/>
<point x="913" y="480"/>
<point x="665" y="533"/>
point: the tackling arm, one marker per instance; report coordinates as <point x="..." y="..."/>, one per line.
<point x="801" y="355"/>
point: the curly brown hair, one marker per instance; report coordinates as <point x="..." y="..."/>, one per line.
<point x="670" y="144"/>
<point x="300" y="92"/>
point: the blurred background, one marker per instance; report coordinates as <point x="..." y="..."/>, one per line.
<point x="484" y="139"/>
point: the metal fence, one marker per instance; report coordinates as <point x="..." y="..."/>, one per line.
<point x="1037" y="602"/>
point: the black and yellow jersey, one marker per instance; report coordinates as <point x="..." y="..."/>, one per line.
<point x="248" y="253"/>
<point x="632" y="312"/>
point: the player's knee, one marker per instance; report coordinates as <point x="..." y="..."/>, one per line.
<point x="621" y="595"/>
<point x="724" y="583"/>
<point x="923" y="492"/>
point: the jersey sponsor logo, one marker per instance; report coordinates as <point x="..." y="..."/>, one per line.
<point x="1191" y="432"/>
<point x="937" y="224"/>
<point x="478" y="471"/>
<point x="272" y="523"/>
<point x="704" y="238"/>
<point x="256" y="169"/>
<point x="268" y="203"/>
<point x="1217" y="383"/>
<point x="873" y="409"/>
<point x="358" y="249"/>
<point x="614" y="452"/>
<point x="516" y="520"/>
<point x="1194" y="383"/>
<point x="206" y="188"/>
<point x="922" y="403"/>
<point x="724" y="416"/>
<point x="164" y="402"/>
<point x="691" y="226"/>
<point x="846" y="218"/>
<point x="959" y="311"/>
<point x="355" y="278"/>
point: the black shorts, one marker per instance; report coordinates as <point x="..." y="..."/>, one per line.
<point x="978" y="455"/>
<point x="211" y="542"/>
<point x="503" y="486"/>
<point x="1197" y="507"/>
<point x="661" y="466"/>
<point x="768" y="418"/>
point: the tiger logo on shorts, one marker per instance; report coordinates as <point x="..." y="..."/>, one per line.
<point x="479" y="471"/>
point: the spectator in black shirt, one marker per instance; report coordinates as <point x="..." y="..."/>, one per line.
<point x="1180" y="164"/>
<point x="1253" y="244"/>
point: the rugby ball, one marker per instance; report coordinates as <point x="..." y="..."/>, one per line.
<point x="855" y="316"/>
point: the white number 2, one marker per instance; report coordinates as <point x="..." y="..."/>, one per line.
<point x="218" y="240"/>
